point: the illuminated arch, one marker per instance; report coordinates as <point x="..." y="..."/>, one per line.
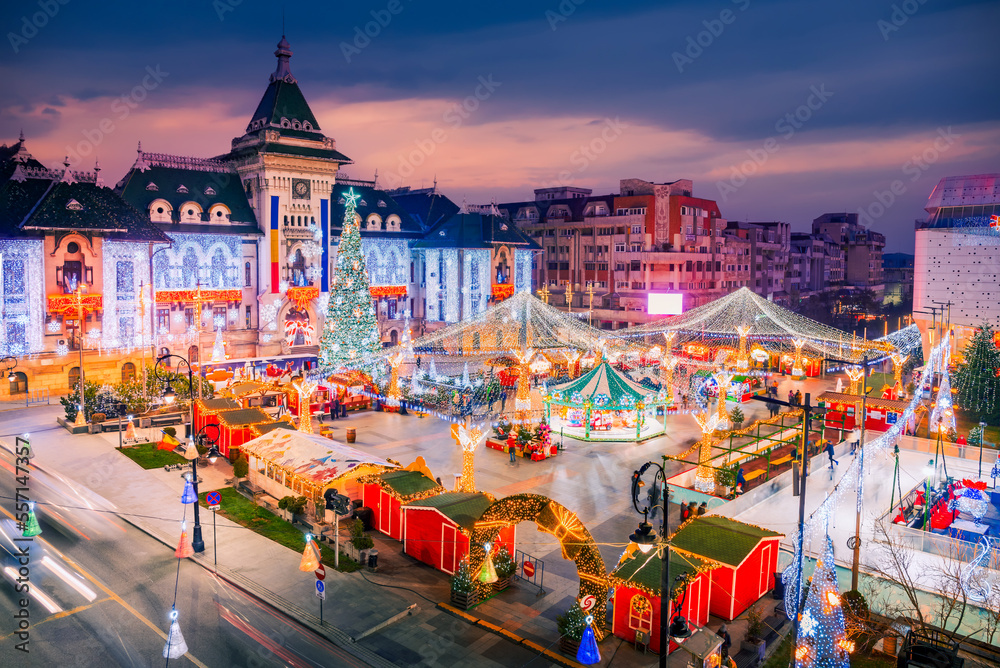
<point x="550" y="517"/>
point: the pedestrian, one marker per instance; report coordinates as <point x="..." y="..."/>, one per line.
<point x="684" y="512"/>
<point x="512" y="451"/>
<point x="791" y="396"/>
<point x="829" y="452"/>
<point x="684" y="401"/>
<point x="503" y="400"/>
<point x="798" y="397"/>
<point x="438" y="481"/>
<point x="418" y="361"/>
<point x="741" y="481"/>
<point x="335" y="408"/>
<point x="692" y="509"/>
<point x="703" y="508"/>
<point x="727" y="642"/>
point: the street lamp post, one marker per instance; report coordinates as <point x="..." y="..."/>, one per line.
<point x="169" y="394"/>
<point x="191" y="453"/>
<point x="646" y="540"/>
<point x="10" y="363"/>
<point x="807" y="413"/>
<point x="929" y="471"/>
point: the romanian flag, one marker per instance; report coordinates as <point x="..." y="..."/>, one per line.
<point x="168" y="442"/>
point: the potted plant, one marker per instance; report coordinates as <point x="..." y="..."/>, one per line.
<point x="359" y="539"/>
<point x="241" y="467"/>
<point x="505" y="568"/>
<point x="292" y="506"/>
<point x="725" y="479"/>
<point x="464" y="594"/>
<point x="754" y="639"/>
<point x="571" y="627"/>
<point x="736" y="415"/>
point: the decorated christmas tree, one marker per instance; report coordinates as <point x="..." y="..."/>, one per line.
<point x="350" y="334"/>
<point x="823" y="638"/>
<point x="977" y="380"/>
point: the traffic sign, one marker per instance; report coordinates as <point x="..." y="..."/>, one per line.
<point x="588" y="602"/>
<point x="528" y="568"/>
<point x="321" y="572"/>
<point x="213" y="500"/>
<point x="320" y="590"/>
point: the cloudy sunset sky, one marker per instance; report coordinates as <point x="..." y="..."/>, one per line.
<point x="836" y="100"/>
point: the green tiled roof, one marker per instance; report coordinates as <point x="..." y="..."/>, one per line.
<point x="720" y="538"/>
<point x="463" y="508"/>
<point x="243" y="417"/>
<point x="284" y="99"/>
<point x="306" y="151"/>
<point x="207" y="182"/>
<point x="644" y="569"/>
<point x="405" y="483"/>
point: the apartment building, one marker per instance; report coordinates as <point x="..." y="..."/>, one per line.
<point x="861" y="250"/>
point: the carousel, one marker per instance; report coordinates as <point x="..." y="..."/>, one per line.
<point x="604" y="405"/>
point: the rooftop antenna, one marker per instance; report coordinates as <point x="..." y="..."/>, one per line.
<point x="282" y="19"/>
<point x="375" y="183"/>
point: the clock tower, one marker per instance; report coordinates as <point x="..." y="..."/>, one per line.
<point x="288" y="169"/>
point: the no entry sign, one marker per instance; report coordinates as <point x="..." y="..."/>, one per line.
<point x="528" y="568"/>
<point x="321" y="572"/>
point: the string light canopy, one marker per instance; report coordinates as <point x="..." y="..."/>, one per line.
<point x="773" y="328"/>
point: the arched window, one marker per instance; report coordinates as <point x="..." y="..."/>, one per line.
<point x="393" y="337"/>
<point x="193" y="354"/>
<point x="299" y="269"/>
<point x="164" y="352"/>
<point x="246" y="275"/>
<point x="74" y="378"/>
<point x="128" y="372"/>
<point x="640" y="614"/>
<point x="20" y="383"/>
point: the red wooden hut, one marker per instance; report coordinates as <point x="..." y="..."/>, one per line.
<point x="636" y="584"/>
<point x="234" y="427"/>
<point x="842" y="409"/>
<point x="436" y="529"/>
<point x="207" y="410"/>
<point x="745" y="556"/>
<point x="386" y="493"/>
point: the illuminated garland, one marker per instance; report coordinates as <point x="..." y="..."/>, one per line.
<point x="226" y="295"/>
<point x="552" y="518"/>
<point x="501" y="291"/>
<point x="66" y="305"/>
<point x="388" y="291"/>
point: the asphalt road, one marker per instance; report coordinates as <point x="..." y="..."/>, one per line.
<point x="104" y="602"/>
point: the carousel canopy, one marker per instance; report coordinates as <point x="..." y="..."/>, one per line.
<point x="772" y="328"/>
<point x="318" y="460"/>
<point x="605" y="389"/>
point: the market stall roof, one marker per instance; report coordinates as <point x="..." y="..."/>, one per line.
<point x="463" y="508"/>
<point x="403" y="483"/>
<point x="772" y="327"/>
<point x="606" y="389"/>
<point x="218" y="404"/>
<point x="721" y="539"/>
<point x="873" y="402"/>
<point x="642" y="571"/>
<point x="261" y="429"/>
<point x="243" y="417"/>
<point x="318" y="460"/>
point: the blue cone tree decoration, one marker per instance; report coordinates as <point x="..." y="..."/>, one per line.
<point x="588" y="654"/>
<point x="188" y="496"/>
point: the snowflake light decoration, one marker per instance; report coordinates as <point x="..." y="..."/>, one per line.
<point x="53" y="326"/>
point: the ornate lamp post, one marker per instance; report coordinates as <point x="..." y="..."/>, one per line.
<point x="646" y="540"/>
<point x="191" y="454"/>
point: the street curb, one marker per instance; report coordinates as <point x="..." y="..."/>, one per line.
<point x="294" y="612"/>
<point x="513" y="637"/>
